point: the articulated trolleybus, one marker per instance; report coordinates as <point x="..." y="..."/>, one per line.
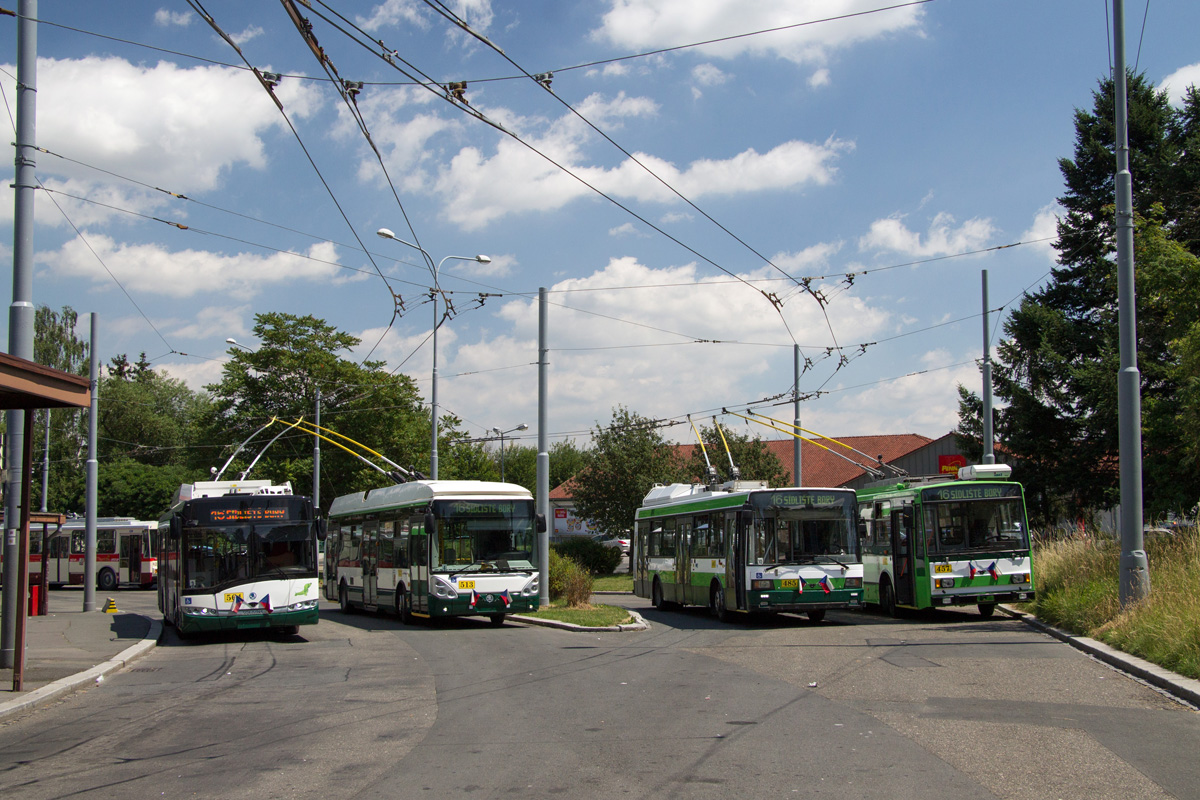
<point x="946" y="541"/>
<point x="238" y="554"/>
<point x="744" y="547"/>
<point x="435" y="549"/>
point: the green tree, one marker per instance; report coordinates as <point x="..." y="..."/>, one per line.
<point x="56" y="345"/>
<point x="750" y="455"/>
<point x="279" y="380"/>
<point x="566" y="461"/>
<point x="627" y="458"/>
<point x="128" y="488"/>
<point x="1056" y="366"/>
<point x="148" y="416"/>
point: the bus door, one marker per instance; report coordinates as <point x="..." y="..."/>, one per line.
<point x="131" y="557"/>
<point x="369" y="559"/>
<point x="902" y="550"/>
<point x="737" y="535"/>
<point x="418" y="553"/>
<point x="683" y="562"/>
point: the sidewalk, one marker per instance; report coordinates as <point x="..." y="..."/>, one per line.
<point x="69" y="648"/>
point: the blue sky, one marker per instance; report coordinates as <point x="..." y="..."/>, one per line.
<point x="713" y="200"/>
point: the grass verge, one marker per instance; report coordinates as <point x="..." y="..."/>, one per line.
<point x="592" y="616"/>
<point x="1078" y="590"/>
<point x="612" y="583"/>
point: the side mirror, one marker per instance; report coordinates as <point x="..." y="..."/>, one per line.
<point x="746" y="517"/>
<point x="430" y="524"/>
<point x="321" y="530"/>
<point x="176" y="527"/>
<point x="539" y="523"/>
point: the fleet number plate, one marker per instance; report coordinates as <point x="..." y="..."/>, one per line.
<point x="942" y="568"/>
<point x="789" y="583"/>
<point x="466" y="584"/>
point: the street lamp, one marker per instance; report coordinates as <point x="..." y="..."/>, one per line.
<point x="521" y="427"/>
<point x="482" y="259"/>
<point x="236" y="343"/>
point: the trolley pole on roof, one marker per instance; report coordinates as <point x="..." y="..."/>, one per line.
<point x="989" y="438"/>
<point x="1135" y="569"/>
<point x="796" y="478"/>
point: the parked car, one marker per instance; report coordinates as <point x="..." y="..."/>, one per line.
<point x="620" y="542"/>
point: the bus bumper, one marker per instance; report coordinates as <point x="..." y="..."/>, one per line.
<point x="196" y="621"/>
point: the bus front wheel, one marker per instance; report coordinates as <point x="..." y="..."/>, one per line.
<point x="887" y="598"/>
<point x="987" y="609"/>
<point x="816" y="615"/>
<point x="497" y="620"/>
<point x="656" y="596"/>
<point x="716" y="603"/>
<point x="404" y="606"/>
<point x="344" y="600"/>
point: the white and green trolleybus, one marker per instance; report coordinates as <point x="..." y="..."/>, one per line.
<point x="950" y="540"/>
<point x="743" y="547"/>
<point x="435" y="549"/>
<point x="236" y="555"/>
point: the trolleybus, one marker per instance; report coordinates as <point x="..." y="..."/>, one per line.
<point x="950" y="540"/>
<point x="238" y="555"/>
<point x="125" y="555"/>
<point x="742" y="546"/>
<point x="435" y="549"/>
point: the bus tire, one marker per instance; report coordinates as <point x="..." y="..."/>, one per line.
<point x="716" y="602"/>
<point x="106" y="581"/>
<point x="887" y="598"/>
<point x="987" y="609"/>
<point x="404" y="606"/>
<point x="816" y="615"/>
<point x="497" y="619"/>
<point x="656" y="596"/>
<point x="344" y="600"/>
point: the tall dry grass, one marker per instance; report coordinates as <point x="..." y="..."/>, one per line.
<point x="1078" y="590"/>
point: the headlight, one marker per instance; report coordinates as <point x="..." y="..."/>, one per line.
<point x="530" y="589"/>
<point x="1020" y="577"/>
<point x="853" y="583"/>
<point x="442" y="588"/>
<point x="944" y="583"/>
<point x="762" y="585"/>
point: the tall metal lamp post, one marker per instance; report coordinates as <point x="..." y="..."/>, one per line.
<point x="434" y="270"/>
<point x="522" y="427"/>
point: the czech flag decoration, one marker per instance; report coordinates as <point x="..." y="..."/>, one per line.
<point x="265" y="603"/>
<point x="474" y="598"/>
<point x="507" y="600"/>
<point x="971" y="564"/>
<point x="991" y="570"/>
<point x="237" y="603"/>
<point x="825" y="586"/>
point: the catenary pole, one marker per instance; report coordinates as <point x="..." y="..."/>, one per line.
<point x="1135" y="569"/>
<point x="989" y="437"/>
<point x="21" y="312"/>
<point x="543" y="456"/>
<point x="796" y="476"/>
<point x="89" y="545"/>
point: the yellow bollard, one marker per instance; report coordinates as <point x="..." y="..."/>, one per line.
<point x="111" y="607"/>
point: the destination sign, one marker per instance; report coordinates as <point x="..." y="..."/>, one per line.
<point x="463" y="508"/>
<point x="244" y="514"/>
<point x="803" y="499"/>
<point x="971" y="492"/>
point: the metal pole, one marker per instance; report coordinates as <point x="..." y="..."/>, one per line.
<point x="433" y="404"/>
<point x="46" y="465"/>
<point x="502" y="456"/>
<point x="989" y="454"/>
<point x="21" y="312"/>
<point x="89" y="547"/>
<point x="1135" y="569"/>
<point x="316" y="495"/>
<point x="543" y="456"/>
<point x="797" y="476"/>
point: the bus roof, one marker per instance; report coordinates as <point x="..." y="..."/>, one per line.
<point x="190" y="491"/>
<point x="109" y="522"/>
<point x="418" y="492"/>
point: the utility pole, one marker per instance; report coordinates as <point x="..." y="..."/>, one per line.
<point x="543" y="456"/>
<point x="796" y="478"/>
<point x="989" y="437"/>
<point x="89" y="540"/>
<point x="1135" y="568"/>
<point x="21" y="312"/>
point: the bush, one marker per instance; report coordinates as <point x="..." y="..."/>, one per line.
<point x="589" y="554"/>
<point x="569" y="581"/>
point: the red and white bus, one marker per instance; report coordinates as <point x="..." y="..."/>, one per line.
<point x="125" y="555"/>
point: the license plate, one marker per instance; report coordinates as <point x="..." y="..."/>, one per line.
<point x="943" y="568"/>
<point x="466" y="584"/>
<point x="789" y="583"/>
<point x="232" y="596"/>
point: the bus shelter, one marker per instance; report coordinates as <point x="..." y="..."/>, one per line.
<point x="26" y="385"/>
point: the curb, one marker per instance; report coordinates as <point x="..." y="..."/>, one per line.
<point x="638" y="624"/>
<point x="64" y="685"/>
<point x="1178" y="686"/>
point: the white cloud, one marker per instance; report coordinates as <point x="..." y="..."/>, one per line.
<point x="1178" y="82"/>
<point x="252" y="32"/>
<point x="819" y="78"/>
<point x="165" y="18"/>
<point x="1044" y="227"/>
<point x="709" y="75"/>
<point x="155" y="270"/>
<point x="180" y="129"/>
<point x="639" y="25"/>
<point x="396" y="13"/>
<point x="628" y="229"/>
<point x="941" y="239"/>
<point x="675" y="216"/>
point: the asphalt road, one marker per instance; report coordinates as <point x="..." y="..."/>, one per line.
<point x="858" y="706"/>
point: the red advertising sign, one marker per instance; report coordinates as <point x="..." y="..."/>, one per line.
<point x="560" y="513"/>
<point x="951" y="464"/>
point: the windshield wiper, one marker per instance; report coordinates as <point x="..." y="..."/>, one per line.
<point x="834" y="560"/>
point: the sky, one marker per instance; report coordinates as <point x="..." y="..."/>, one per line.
<point x="701" y="186"/>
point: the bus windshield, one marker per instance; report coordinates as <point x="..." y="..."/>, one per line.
<point x="484" y="535"/>
<point x="216" y="556"/>
<point x="798" y="527"/>
<point x="976" y="525"/>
